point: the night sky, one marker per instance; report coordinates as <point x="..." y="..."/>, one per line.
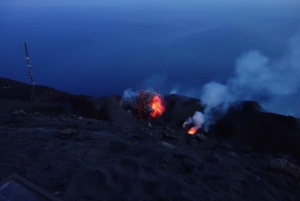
<point x="109" y="47"/>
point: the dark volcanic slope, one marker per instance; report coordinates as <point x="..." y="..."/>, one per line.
<point x="244" y="124"/>
<point x="86" y="159"/>
<point x="248" y="125"/>
<point x="16" y="96"/>
<point x="118" y="157"/>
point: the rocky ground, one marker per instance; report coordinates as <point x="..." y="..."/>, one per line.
<point x="86" y="159"/>
<point x="84" y="148"/>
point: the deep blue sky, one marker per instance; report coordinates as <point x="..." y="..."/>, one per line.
<point x="101" y="48"/>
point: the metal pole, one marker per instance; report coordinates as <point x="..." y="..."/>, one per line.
<point x="31" y="78"/>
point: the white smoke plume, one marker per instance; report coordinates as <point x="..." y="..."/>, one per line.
<point x="129" y="93"/>
<point x="196" y="121"/>
<point x="275" y="84"/>
<point x="157" y="83"/>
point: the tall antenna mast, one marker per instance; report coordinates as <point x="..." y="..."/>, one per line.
<point x="30" y="76"/>
<point x="29" y="67"/>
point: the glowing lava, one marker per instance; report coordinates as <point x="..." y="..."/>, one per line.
<point x="194" y="123"/>
<point x="193" y="130"/>
<point x="157" y="106"/>
<point x="149" y="105"/>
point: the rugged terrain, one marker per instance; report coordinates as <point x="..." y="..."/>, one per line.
<point x="82" y="148"/>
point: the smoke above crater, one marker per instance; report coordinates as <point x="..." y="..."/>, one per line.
<point x="273" y="83"/>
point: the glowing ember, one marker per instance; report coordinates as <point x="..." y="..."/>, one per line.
<point x="157" y="107"/>
<point x="141" y="105"/>
<point x="193" y="130"/>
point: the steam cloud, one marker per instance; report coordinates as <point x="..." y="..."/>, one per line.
<point x="197" y="121"/>
<point x="273" y="83"/>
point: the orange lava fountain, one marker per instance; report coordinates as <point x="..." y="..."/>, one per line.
<point x="149" y="105"/>
<point x="157" y="106"/>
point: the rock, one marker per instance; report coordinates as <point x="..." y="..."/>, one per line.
<point x="63" y="144"/>
<point x="168" y="128"/>
<point x="213" y="158"/>
<point x="245" y="183"/>
<point x="285" y="166"/>
<point x="167" y="145"/>
<point x="179" y="155"/>
<point x="19" y="113"/>
<point x="191" y="140"/>
<point x="201" y="137"/>
<point x="89" y="137"/>
<point x="226" y="146"/>
<point x="166" y="135"/>
<point x="233" y="154"/>
<point x="244" y="149"/>
<point x="66" y="133"/>
<point x="91" y="122"/>
<point x="109" y="109"/>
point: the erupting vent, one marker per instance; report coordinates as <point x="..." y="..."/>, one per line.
<point x="192" y="130"/>
<point x="149" y="105"/>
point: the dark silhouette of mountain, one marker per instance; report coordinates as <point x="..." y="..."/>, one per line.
<point x="248" y="124"/>
<point x="14" y="90"/>
<point x="16" y="95"/>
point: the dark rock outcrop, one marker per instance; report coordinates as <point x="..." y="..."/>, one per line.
<point x="179" y="108"/>
<point x="263" y="131"/>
